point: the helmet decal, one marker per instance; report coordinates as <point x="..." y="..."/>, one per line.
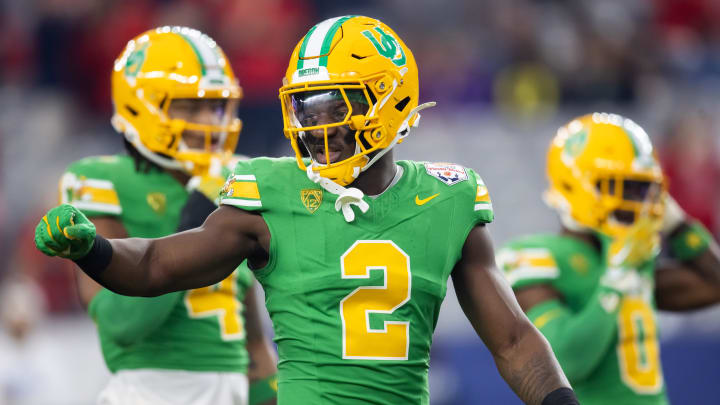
<point x="390" y="47"/>
<point x="575" y="144"/>
<point x="135" y="61"/>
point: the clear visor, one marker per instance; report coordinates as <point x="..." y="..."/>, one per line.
<point x="207" y="122"/>
<point x="314" y="109"/>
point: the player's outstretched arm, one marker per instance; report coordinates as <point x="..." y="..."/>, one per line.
<point x="150" y="267"/>
<point x="522" y="354"/>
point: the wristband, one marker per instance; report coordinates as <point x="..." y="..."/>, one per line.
<point x="98" y="258"/>
<point x="561" y="396"/>
<point x="263" y="390"/>
<point x="689" y="241"/>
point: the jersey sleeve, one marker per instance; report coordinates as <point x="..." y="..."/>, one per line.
<point x="241" y="188"/>
<point x="88" y="187"/>
<point x="482" y="207"/>
<point x="527" y="265"/>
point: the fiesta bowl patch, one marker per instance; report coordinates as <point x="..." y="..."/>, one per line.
<point x="448" y="173"/>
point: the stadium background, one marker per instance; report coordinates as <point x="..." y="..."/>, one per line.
<point x="505" y="74"/>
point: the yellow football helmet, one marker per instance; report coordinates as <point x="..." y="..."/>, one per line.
<point x="361" y="62"/>
<point x="604" y="174"/>
<point x="166" y="64"/>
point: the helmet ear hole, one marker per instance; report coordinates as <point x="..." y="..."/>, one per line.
<point x="131" y="110"/>
<point x="567" y="187"/>
<point x="364" y="139"/>
<point x="402" y="104"/>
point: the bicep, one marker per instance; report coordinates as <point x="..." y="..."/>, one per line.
<point x="484" y="294"/>
<point x="191" y="259"/>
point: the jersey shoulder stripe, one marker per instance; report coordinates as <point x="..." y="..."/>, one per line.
<point x="244" y="187"/>
<point x="482" y="197"/>
<point x="88" y="184"/>
<point x="241" y="190"/>
<point x="527" y="265"/>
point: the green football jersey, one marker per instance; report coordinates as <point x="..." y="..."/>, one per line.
<point x="629" y="372"/>
<point x="354" y="305"/>
<point x="204" y="329"/>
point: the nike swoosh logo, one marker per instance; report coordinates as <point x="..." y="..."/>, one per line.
<point x="424" y="201"/>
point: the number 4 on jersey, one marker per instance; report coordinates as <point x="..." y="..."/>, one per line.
<point x="218" y="300"/>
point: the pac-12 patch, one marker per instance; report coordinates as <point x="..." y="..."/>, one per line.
<point x="448" y="173"/>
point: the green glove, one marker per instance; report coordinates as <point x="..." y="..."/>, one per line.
<point x="65" y="232"/>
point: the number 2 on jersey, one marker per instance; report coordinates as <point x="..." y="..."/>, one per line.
<point x="360" y="340"/>
<point x="218" y="300"/>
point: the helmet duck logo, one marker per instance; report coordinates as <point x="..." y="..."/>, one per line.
<point x="387" y="47"/>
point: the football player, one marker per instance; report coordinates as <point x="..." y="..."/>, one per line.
<point x="592" y="289"/>
<point x="354" y="249"/>
<point x="175" y="99"/>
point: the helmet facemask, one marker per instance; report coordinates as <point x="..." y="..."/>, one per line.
<point x="203" y="127"/>
<point x="315" y="115"/>
<point x="628" y="200"/>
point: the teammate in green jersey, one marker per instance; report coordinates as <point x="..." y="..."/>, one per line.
<point x="188" y="347"/>
<point x="593" y="288"/>
<point x="354" y="276"/>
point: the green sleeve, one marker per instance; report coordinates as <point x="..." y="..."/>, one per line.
<point x="127" y="320"/>
<point x="579" y="340"/>
<point x="482" y="205"/>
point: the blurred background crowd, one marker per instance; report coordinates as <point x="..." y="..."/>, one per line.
<point x="505" y="74"/>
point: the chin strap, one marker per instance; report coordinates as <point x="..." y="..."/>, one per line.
<point x="346" y="196"/>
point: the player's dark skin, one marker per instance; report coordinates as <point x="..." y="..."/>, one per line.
<point x="206" y="255"/>
<point x="679" y="286"/>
